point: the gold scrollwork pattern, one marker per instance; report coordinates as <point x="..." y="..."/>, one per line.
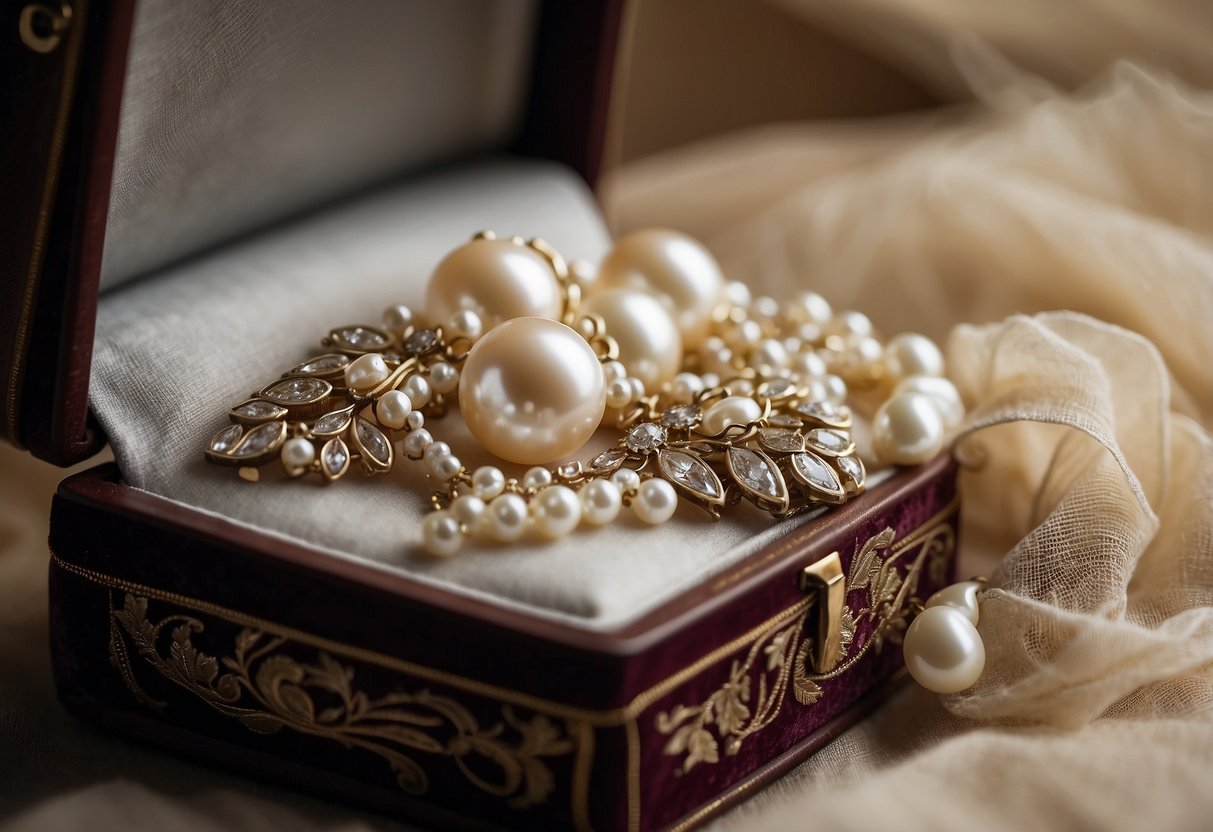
<point x="779" y="657"/>
<point x="267" y="690"/>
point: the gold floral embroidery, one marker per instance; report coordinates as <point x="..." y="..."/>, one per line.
<point x="267" y="690"/>
<point x="892" y="599"/>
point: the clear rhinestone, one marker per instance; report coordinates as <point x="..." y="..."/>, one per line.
<point x="261" y="439"/>
<point x="569" y="470"/>
<point x="645" y="438"/>
<point x="853" y="467"/>
<point x="374" y="443"/>
<point x="331" y="423"/>
<point x="225" y="440"/>
<point x="322" y="365"/>
<point x="812" y="470"/>
<point x="682" y="416"/>
<point x="608" y="460"/>
<point x="783" y="441"/>
<point x="363" y="338"/>
<point x="778" y="388"/>
<point x="334" y="458"/>
<point x="782" y="420"/>
<point x="420" y="341"/>
<point x="258" y="411"/>
<point x="298" y="391"/>
<point x="830" y="441"/>
<point x="690" y="472"/>
<point x="818" y="410"/>
<point x="754" y="472"/>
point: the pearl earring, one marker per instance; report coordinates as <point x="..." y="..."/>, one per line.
<point x="943" y="650"/>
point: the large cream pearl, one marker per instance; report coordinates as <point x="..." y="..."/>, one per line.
<point x="731" y="410"/>
<point x="908" y="429"/>
<point x="531" y="391"/>
<point x="911" y="354"/>
<point x="943" y="392"/>
<point x="496" y="279"/>
<point x="677" y="269"/>
<point x="649" y="344"/>
<point x="961" y="596"/>
<point x="943" y="651"/>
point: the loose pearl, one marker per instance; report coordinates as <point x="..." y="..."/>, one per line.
<point x="469" y="509"/>
<point x="808" y="365"/>
<point x="626" y="480"/>
<point x="911" y="354"/>
<point x="443" y="377"/>
<point x="812" y="308"/>
<point x="649" y="343"/>
<point x="557" y="511"/>
<point x="828" y="388"/>
<point x="496" y="279"/>
<point x="297" y="454"/>
<point x="769" y="352"/>
<point x="674" y="267"/>
<point x="441" y="534"/>
<point x="464" y="324"/>
<point x="908" y="429"/>
<point x="600" y="502"/>
<point x="847" y="324"/>
<point x="507" y="517"/>
<point x="536" y="477"/>
<point x="655" y="501"/>
<point x="488" y="482"/>
<point x="737" y="293"/>
<point x="765" y="307"/>
<point x="531" y="391"/>
<point x="961" y="596"/>
<point x="393" y="409"/>
<point x="366" y="371"/>
<point x="619" y="394"/>
<point x="418" y="390"/>
<point x="942" y="392"/>
<point x="396" y="319"/>
<point x="732" y="410"/>
<point x="943" y="651"/>
<point x="685" y="387"/>
<point x="416" y="443"/>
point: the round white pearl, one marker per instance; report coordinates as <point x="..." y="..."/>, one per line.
<point x="531" y="391"/>
<point x="731" y="410"/>
<point x="583" y="272"/>
<point x="812" y="308"/>
<point x="942" y="392"/>
<point x="443" y="377"/>
<point x="613" y="371"/>
<point x="469" y="510"/>
<point x="393" y="409"/>
<point x="366" y="371"/>
<point x="961" y="596"/>
<point x="435" y="450"/>
<point x="441" y="534"/>
<point x="828" y="388"/>
<point x="626" y="480"/>
<point x="655" y="501"/>
<point x="444" y="467"/>
<point x="737" y="293"/>
<point x="748" y="333"/>
<point x="911" y="354"/>
<point x="416" y="442"/>
<point x="487" y="482"/>
<point x="600" y="502"/>
<point x="496" y="279"/>
<point x="685" y="387"/>
<point x="557" y="511"/>
<point x="677" y="269"/>
<point x="864" y="351"/>
<point x="619" y="394"/>
<point x="769" y="352"/>
<point x="396" y="319"/>
<point x="847" y="324"/>
<point x="297" y="454"/>
<point x="507" y="515"/>
<point x="415" y="420"/>
<point x="637" y="388"/>
<point x="417" y="388"/>
<point x="765" y="307"/>
<point x="537" y="477"/>
<point x="943" y="650"/>
<point x="464" y="324"/>
<point x="808" y="365"/>
<point x="649" y="344"/>
<point x="908" y="429"/>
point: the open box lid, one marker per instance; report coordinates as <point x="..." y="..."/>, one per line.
<point x="64" y="71"/>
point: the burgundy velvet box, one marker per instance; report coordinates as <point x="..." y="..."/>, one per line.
<point x="325" y="674"/>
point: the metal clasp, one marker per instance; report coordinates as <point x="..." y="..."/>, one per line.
<point x="825" y="577"/>
<point x="42" y="25"/>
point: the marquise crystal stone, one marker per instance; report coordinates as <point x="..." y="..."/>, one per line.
<point x="332" y="423"/>
<point x="829" y="441"/>
<point x="783" y="420"/>
<point x="334" y="458"/>
<point x="608" y="460"/>
<point x="420" y="341"/>
<point x="361" y="338"/>
<point x="853" y="467"/>
<point x="374" y="443"/>
<point x="645" y="438"/>
<point x="812" y="470"/>
<point x="322" y="365"/>
<point x="258" y="411"/>
<point x="783" y="441"/>
<point x="226" y="439"/>
<point x="691" y="473"/>
<point x="682" y="416"/>
<point x="261" y="439"/>
<point x="298" y="391"/>
<point x="755" y="472"/>
<point x="777" y="388"/>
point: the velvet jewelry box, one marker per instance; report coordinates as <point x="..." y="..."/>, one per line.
<point x="196" y="194"/>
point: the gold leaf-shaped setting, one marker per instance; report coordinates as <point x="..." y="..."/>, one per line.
<point x="334" y="459"/>
<point x="812" y="471"/>
<point x="256" y="411"/>
<point x="779" y="390"/>
<point x="329" y="365"/>
<point x="332" y="424"/>
<point x="297" y="391"/>
<point x="759" y="478"/>
<point x="692" y="476"/>
<point x="372" y="444"/>
<point x="252" y="448"/>
<point x="824" y="414"/>
<point x="781" y="440"/>
<point x="853" y="473"/>
<point x="359" y="339"/>
<point x="829" y="442"/>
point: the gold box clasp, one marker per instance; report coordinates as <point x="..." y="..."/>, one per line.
<point x="825" y="577"/>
